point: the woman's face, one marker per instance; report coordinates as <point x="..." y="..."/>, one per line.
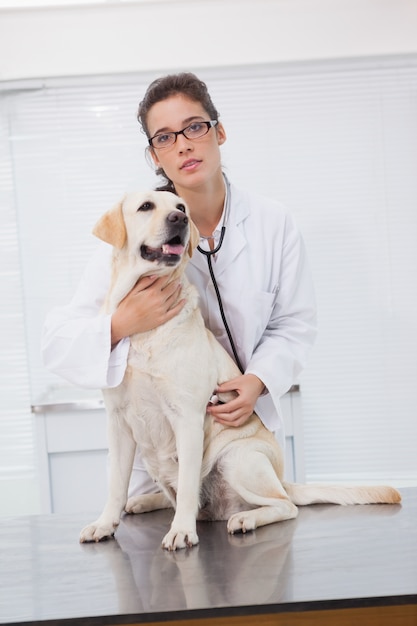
<point x="189" y="163"/>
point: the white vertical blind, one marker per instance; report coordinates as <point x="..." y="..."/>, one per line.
<point x="76" y="151"/>
<point x="17" y="441"/>
<point x="337" y="142"/>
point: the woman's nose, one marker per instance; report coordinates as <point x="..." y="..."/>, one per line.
<point x="183" y="144"/>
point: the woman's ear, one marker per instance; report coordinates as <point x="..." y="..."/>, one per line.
<point x="151" y="157"/>
<point x="221" y="134"/>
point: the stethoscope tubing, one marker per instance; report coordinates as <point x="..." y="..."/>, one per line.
<point x="208" y="254"/>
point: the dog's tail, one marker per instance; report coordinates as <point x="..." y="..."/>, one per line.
<point x="338" y="494"/>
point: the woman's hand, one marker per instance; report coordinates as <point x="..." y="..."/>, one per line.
<point x="152" y="302"/>
<point x="237" y="411"/>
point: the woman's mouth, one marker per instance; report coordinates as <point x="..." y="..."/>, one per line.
<point x="191" y="164"/>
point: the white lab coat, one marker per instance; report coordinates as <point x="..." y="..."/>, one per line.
<point x="268" y="298"/>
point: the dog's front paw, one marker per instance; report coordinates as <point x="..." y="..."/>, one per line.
<point x="176" y="539"/>
<point x="98" y="531"/>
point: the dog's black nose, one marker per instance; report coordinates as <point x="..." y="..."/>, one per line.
<point x="177" y="216"/>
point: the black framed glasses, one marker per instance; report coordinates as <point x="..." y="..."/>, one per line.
<point x="192" y="131"/>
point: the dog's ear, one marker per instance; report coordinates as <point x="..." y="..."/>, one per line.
<point x="194" y="238"/>
<point x="111" y="227"/>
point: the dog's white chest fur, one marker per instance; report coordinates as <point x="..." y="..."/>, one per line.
<point x="161" y="387"/>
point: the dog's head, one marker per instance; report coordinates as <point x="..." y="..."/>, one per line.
<point x="154" y="226"/>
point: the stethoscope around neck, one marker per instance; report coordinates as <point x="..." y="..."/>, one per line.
<point x="208" y="254"/>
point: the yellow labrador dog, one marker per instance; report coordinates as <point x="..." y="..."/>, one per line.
<point x="205" y="470"/>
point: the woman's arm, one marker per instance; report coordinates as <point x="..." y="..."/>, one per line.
<point x="152" y="302"/>
<point x="282" y="351"/>
<point x="89" y="348"/>
<point x="76" y="338"/>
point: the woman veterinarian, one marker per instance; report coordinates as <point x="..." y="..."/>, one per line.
<point x="257" y="274"/>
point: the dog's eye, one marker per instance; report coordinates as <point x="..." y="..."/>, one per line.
<point x="146" y="206"/>
<point x="181" y="207"/>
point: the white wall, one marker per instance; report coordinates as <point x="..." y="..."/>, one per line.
<point x="165" y="34"/>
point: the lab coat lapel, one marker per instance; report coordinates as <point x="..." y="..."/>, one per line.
<point x="233" y="243"/>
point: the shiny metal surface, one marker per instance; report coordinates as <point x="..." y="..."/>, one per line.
<point x="66" y="399"/>
<point x="330" y="554"/>
<point x="63" y="407"/>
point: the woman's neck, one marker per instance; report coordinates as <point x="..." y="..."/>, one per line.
<point x="206" y="204"/>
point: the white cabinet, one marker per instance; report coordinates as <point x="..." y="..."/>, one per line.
<point x="294" y="435"/>
<point x="72" y="451"/>
<point x="72" y="445"/>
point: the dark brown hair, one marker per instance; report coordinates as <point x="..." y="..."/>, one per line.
<point x="162" y="88"/>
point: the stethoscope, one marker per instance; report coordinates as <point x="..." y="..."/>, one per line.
<point x="208" y="254"/>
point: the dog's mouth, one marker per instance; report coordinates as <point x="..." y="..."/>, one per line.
<point x="169" y="253"/>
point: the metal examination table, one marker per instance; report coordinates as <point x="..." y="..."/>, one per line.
<point x="333" y="565"/>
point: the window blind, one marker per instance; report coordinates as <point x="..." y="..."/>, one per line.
<point x="17" y="438"/>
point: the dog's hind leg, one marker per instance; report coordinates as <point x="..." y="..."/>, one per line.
<point x="147" y="502"/>
<point x="263" y="515"/>
<point x="122" y="449"/>
<point x="253" y="478"/>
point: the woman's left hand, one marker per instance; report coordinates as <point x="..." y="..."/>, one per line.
<point x="237" y="411"/>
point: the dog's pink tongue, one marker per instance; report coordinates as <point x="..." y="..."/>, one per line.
<point x="172" y="249"/>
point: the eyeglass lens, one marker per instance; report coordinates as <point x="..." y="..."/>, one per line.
<point x="193" y="131"/>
